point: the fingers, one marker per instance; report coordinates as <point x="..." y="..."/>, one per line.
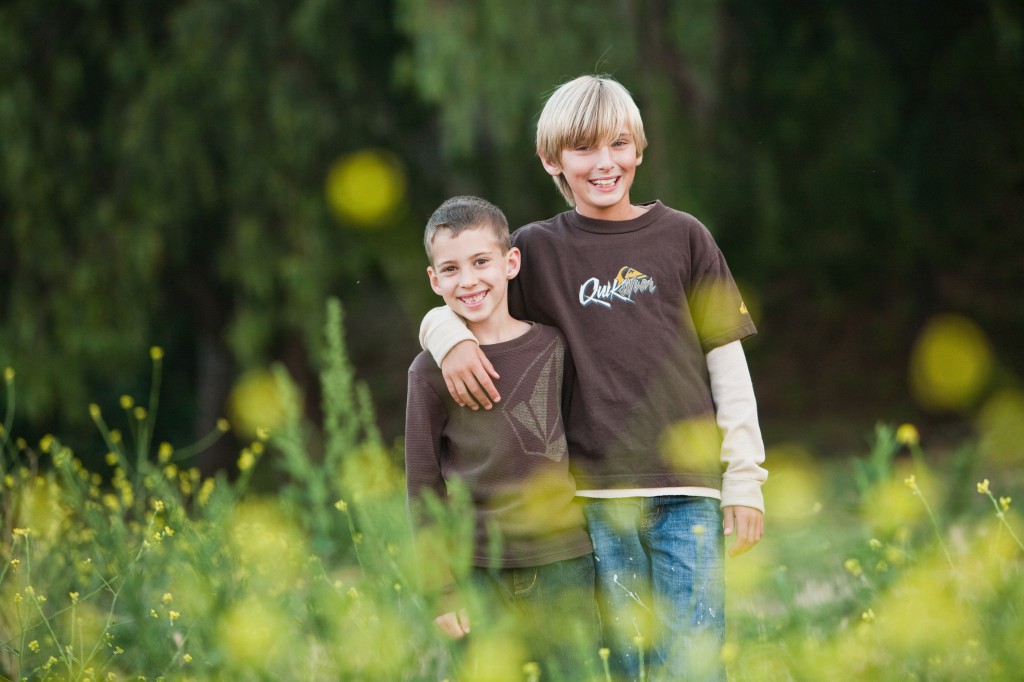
<point x="469" y="376"/>
<point x="747" y="524"/>
<point x="454" y="625"/>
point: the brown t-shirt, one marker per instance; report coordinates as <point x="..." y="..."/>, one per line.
<point x="513" y="459"/>
<point x="640" y="303"/>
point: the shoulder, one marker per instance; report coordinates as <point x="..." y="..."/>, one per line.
<point x="424" y="367"/>
<point x="541" y="229"/>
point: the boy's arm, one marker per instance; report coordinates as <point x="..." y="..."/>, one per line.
<point x="466" y="370"/>
<point x="742" y="446"/>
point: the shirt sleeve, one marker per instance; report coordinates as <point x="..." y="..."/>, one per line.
<point x="440" y="330"/>
<point x="736" y="414"/>
<point x="424" y="423"/>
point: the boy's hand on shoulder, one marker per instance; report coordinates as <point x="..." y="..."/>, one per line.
<point x="468" y="374"/>
<point x="455" y="625"/>
<point x="746" y="523"/>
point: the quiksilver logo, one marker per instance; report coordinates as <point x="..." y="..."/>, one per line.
<point x="627" y="283"/>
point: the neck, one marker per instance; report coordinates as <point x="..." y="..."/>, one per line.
<point x="497" y="329"/>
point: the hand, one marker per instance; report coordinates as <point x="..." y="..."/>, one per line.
<point x="468" y="374"/>
<point x="746" y="523"/>
<point x="454" y="625"/>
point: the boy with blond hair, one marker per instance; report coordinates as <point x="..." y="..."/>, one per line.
<point x="662" y="427"/>
<point x="532" y="561"/>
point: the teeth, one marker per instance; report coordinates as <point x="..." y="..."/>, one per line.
<point x="474" y="298"/>
<point x="603" y="183"/>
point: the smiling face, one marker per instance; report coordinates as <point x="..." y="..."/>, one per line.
<point x="471" y="274"/>
<point x="600" y="176"/>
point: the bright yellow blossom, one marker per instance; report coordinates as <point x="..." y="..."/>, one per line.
<point x="983" y="487"/>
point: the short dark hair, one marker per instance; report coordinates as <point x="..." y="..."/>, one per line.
<point x="466" y="213"/>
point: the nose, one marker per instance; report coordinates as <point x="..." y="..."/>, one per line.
<point x="467" y="278"/>
<point x="603" y="157"/>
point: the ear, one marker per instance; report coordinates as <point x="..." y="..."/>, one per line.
<point x="639" y="159"/>
<point x="434" y="283"/>
<point x="514" y="259"/>
<point x="553" y="169"/>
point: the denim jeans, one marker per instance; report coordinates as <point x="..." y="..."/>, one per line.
<point x="660" y="585"/>
<point x="550" y="609"/>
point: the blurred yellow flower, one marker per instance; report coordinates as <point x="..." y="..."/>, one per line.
<point x="853" y="567"/>
<point x="907" y="434"/>
<point x="127" y="402"/>
<point x="983" y="487"/>
<point x="1004" y="503"/>
<point x="8" y="374"/>
<point x="156" y="353"/>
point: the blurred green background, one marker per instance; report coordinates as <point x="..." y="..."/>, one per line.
<point x="203" y="175"/>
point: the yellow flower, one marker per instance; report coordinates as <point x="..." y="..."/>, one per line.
<point x="223" y="425"/>
<point x="167" y="598"/>
<point x="907" y="435"/>
<point x="246" y="460"/>
<point x="8" y="374"/>
<point x="1004" y="503"/>
<point x="604" y="652"/>
<point x="853" y="567"/>
<point x="341" y="506"/>
<point x="127" y="402"/>
<point x="187" y="658"/>
<point x="33" y="645"/>
<point x="74" y="597"/>
<point x="45" y="443"/>
<point x="140" y="413"/>
<point x="262" y="433"/>
<point x="164" y="452"/>
<point x="983" y="487"/>
<point x="94" y="411"/>
<point x="174" y="615"/>
<point x="868" y="616"/>
<point x="22" y="532"/>
<point x="874" y="543"/>
<point x="156" y="353"/>
<point x="911" y="482"/>
<point x="15" y="563"/>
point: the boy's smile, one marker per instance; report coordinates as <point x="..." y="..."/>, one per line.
<point x="600" y="177"/>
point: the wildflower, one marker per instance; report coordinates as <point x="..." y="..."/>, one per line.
<point x="1004" y="503"/>
<point x="140" y="413"/>
<point x="174" y="615"/>
<point x="911" y="482"/>
<point x="353" y="592"/>
<point x="357" y="538"/>
<point x="8" y="374"/>
<point x="115" y="435"/>
<point x="341" y="506"/>
<point x="127" y="402"/>
<point x="164" y="452"/>
<point x="22" y="532"/>
<point x="205" y="491"/>
<point x="604" y="652"/>
<point x="398" y="587"/>
<point x="15" y="563"/>
<point x="983" y="487"/>
<point x="156" y="353"/>
<point x="170" y="471"/>
<point x="167" y="598"/>
<point x="118" y="650"/>
<point x="246" y="460"/>
<point x="532" y="671"/>
<point x="263" y="433"/>
<point x="907" y="435"/>
<point x="74" y="597"/>
<point x="868" y="616"/>
<point x="158" y="506"/>
<point x="46" y="442"/>
<point x="223" y="425"/>
<point x="94" y="411"/>
<point x="34" y="645"/>
<point x="874" y="543"/>
<point x="153" y="613"/>
<point x="853" y="567"/>
<point x="187" y="658"/>
<point x="168" y="531"/>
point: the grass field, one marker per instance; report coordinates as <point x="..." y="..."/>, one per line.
<point x="898" y="564"/>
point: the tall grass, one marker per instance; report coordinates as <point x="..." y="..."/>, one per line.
<point x="896" y="567"/>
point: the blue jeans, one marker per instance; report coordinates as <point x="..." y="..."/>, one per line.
<point x="550" y="609"/>
<point x="660" y="585"/>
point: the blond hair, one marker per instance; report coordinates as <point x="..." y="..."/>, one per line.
<point x="586" y="111"/>
<point x="466" y="213"/>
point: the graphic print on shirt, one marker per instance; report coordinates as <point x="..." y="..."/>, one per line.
<point x="626" y="284"/>
<point x="536" y="418"/>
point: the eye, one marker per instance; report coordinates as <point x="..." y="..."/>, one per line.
<point x="447" y="269"/>
<point x="482" y="261"/>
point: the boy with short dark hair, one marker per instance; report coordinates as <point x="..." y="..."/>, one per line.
<point x="513" y="460"/>
<point x="663" y="401"/>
